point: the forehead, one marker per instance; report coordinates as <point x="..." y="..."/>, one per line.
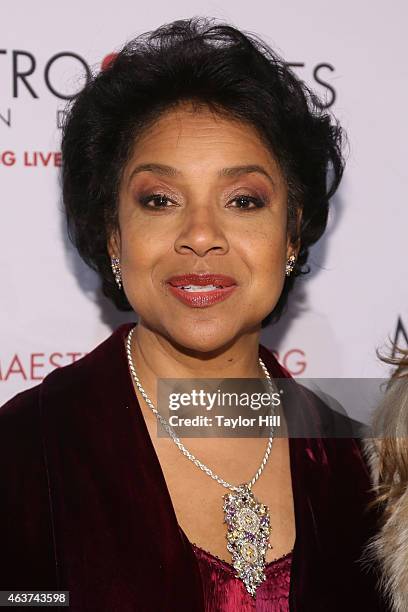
<point x="198" y="138"/>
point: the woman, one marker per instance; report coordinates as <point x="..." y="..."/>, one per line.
<point x="387" y="453"/>
<point x="195" y="179"/>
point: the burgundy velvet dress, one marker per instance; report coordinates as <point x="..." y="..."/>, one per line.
<point x="84" y="506"/>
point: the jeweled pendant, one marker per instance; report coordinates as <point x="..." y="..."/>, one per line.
<point x="247" y="536"/>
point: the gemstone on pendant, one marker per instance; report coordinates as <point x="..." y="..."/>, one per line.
<point x="249" y="552"/>
<point x="248" y="520"/>
<point x="247" y="536"/>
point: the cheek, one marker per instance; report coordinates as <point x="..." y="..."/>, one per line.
<point x="140" y="249"/>
<point x="265" y="251"/>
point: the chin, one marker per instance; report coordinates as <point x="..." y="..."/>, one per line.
<point x="211" y="336"/>
<point x="202" y="335"/>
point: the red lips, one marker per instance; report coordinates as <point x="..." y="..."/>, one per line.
<point x="219" y="280"/>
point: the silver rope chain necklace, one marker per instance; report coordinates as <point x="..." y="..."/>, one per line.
<point x="248" y="519"/>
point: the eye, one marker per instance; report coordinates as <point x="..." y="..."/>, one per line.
<point x="160" y="200"/>
<point x="245" y="200"/>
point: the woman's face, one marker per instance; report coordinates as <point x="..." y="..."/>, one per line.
<point x="202" y="194"/>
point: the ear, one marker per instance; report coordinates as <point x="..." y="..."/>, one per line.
<point x="293" y="247"/>
<point x="113" y="244"/>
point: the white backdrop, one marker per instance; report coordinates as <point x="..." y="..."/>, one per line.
<point x="357" y="294"/>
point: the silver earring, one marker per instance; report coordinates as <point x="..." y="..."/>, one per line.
<point x="115" y="263"/>
<point x="290" y="264"/>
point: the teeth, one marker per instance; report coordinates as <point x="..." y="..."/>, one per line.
<point x="200" y="287"/>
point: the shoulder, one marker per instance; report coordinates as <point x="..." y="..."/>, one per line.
<point x="90" y="372"/>
<point x="333" y="420"/>
<point x="105" y="361"/>
<point x="310" y="413"/>
<point x="330" y="438"/>
<point x="62" y="390"/>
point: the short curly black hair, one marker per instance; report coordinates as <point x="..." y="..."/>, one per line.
<point x="214" y="64"/>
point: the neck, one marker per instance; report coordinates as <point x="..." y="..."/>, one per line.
<point x="155" y="356"/>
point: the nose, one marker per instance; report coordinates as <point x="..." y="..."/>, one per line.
<point x="201" y="233"/>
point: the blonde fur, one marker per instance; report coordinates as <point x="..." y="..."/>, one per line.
<point x="387" y="456"/>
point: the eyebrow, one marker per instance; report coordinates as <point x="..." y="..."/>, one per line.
<point x="232" y="171"/>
